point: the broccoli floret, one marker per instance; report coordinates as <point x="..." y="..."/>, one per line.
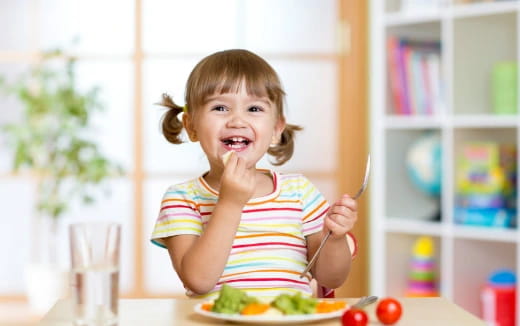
<point x="231" y="300"/>
<point x="294" y="304"/>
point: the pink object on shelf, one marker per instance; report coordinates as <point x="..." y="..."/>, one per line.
<point x="498" y="299"/>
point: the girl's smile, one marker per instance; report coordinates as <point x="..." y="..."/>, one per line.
<point x="236" y="143"/>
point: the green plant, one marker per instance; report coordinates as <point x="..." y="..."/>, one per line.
<point x="51" y="139"/>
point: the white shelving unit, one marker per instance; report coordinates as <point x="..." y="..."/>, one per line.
<point x="473" y="36"/>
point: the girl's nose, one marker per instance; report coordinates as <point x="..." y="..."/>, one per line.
<point x="236" y="120"/>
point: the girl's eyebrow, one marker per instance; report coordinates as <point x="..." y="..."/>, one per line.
<point x="215" y="98"/>
<point x="263" y="100"/>
<point x="223" y="97"/>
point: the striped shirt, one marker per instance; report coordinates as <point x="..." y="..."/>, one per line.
<point x="269" y="250"/>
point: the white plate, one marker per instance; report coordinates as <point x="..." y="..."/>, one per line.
<point x="268" y="319"/>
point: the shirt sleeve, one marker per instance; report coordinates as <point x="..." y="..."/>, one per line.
<point x="314" y="207"/>
<point x="178" y="215"/>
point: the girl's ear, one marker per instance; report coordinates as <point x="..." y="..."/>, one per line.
<point x="278" y="129"/>
<point x="188" y="125"/>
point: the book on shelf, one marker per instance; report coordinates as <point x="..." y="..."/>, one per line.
<point x="414" y="76"/>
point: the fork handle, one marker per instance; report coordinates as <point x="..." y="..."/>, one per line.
<point x="364" y="301"/>
<point x="316" y="254"/>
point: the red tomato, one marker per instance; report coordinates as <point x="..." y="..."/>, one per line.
<point x="354" y="317"/>
<point x="389" y="311"/>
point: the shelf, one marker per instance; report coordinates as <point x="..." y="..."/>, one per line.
<point x="413" y="122"/>
<point x="475" y="39"/>
<point x="472" y="91"/>
<point x="400" y="248"/>
<point x="485" y="233"/>
<point x="484" y="121"/>
<point x="413" y="226"/>
<point x="403" y="199"/>
<point x="474" y="261"/>
<point x="457" y="121"/>
<point x="485" y="9"/>
<point x="403" y="19"/>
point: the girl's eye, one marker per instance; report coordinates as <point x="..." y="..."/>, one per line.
<point x="255" y="109"/>
<point x="219" y="108"/>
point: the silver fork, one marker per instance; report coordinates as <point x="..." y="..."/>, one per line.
<point x="360" y="191"/>
<point x="364" y="301"/>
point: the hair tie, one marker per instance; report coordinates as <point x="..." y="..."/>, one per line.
<point x="185" y="108"/>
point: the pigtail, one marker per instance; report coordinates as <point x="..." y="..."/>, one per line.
<point x="283" y="151"/>
<point x="171" y="125"/>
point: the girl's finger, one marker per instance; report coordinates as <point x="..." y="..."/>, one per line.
<point x="240" y="166"/>
<point x="347" y="202"/>
<point x="333" y="225"/>
<point x="340" y="210"/>
<point x="336" y="218"/>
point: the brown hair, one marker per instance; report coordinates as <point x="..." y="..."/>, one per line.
<point x="223" y="72"/>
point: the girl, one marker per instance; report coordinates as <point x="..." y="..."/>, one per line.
<point x="253" y="229"/>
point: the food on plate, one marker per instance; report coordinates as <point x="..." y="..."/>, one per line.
<point x="206" y="306"/>
<point x="389" y="311"/>
<point x="255" y="309"/>
<point x="329" y="306"/>
<point x="235" y="301"/>
<point x="231" y="300"/>
<point x="294" y="304"/>
<point x="225" y="157"/>
<point x="354" y="317"/>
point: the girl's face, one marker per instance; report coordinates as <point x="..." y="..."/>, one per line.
<point x="237" y="121"/>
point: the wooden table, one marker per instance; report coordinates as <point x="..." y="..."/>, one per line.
<point x="172" y="312"/>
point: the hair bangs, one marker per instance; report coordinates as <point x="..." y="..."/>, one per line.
<point x="226" y="72"/>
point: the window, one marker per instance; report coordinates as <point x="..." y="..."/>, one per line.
<point x="135" y="51"/>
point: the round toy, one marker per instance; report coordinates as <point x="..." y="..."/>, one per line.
<point x="423" y="162"/>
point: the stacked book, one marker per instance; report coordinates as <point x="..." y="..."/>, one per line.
<point x="486" y="181"/>
<point x="414" y="73"/>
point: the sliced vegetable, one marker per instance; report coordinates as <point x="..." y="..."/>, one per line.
<point x="329" y="306"/>
<point x="255" y="309"/>
<point x="207" y="306"/>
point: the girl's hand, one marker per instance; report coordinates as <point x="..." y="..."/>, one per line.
<point x="237" y="183"/>
<point x="341" y="217"/>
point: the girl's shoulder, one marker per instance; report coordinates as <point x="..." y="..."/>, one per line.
<point x="185" y="189"/>
<point x="293" y="181"/>
<point x="194" y="189"/>
<point x="183" y="185"/>
<point x="291" y="177"/>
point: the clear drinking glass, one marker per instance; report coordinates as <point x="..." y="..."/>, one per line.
<point x="94" y="251"/>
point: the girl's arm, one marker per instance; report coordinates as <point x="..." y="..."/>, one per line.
<point x="333" y="264"/>
<point x="200" y="260"/>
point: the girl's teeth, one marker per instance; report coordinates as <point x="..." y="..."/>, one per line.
<point x="239" y="145"/>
